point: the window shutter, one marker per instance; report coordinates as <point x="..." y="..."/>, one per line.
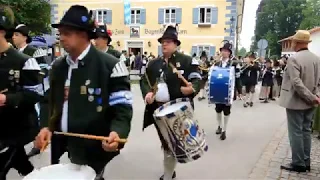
<point x="159" y="50"/>
<point x="194" y="50"/>
<point x="212" y="51"/>
<point x="160" y="16"/>
<point x="142" y="16"/>
<point x="178" y="15"/>
<point x="109" y="17"/>
<point x="214" y="15"/>
<point x="195" y="15"/>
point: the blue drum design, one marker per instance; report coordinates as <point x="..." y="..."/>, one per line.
<point x="221" y="85"/>
<point x="181" y="130"/>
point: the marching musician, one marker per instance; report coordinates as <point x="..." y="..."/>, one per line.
<point x="267" y="80"/>
<point x="159" y="75"/>
<point x="278" y="73"/>
<point x="204" y="69"/>
<point x="103" y="40"/>
<point x="225" y="62"/>
<point x="89" y="94"/>
<point x="19" y="84"/>
<point x="21" y="40"/>
<point x="250" y="78"/>
<point x="238" y="84"/>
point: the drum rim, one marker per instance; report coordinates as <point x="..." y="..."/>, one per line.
<point x="175" y="101"/>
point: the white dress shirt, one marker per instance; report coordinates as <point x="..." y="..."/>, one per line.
<point x="72" y="65"/>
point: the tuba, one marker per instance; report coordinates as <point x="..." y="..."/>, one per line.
<point x="203" y="66"/>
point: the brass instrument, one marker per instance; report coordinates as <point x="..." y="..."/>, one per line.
<point x="203" y="66"/>
<point x="249" y="64"/>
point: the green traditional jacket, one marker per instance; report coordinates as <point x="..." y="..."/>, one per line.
<point x="99" y="101"/>
<point x="113" y="52"/>
<point x="19" y="82"/>
<point x="187" y="67"/>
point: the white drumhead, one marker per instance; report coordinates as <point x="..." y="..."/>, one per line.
<point x="172" y="108"/>
<point x="62" y="172"/>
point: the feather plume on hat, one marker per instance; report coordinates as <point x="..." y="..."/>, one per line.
<point x="8" y="13"/>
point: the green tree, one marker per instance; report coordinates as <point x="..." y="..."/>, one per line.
<point x="311" y="13"/>
<point x="36" y="14"/>
<point x="242" y="52"/>
<point x="277" y="19"/>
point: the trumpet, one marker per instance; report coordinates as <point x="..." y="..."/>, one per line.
<point x="249" y="64"/>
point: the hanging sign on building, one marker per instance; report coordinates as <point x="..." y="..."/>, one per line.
<point x="135" y="32"/>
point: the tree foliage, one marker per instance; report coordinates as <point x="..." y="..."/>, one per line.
<point x="242" y="52"/>
<point x="36" y="14"/>
<point x="311" y="15"/>
<point x="278" y="19"/>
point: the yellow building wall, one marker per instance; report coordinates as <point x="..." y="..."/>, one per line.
<point x="190" y="34"/>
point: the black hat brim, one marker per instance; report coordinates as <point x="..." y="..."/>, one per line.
<point x="92" y="35"/>
<point x="226" y="49"/>
<point x="72" y="25"/>
<point x="104" y="35"/>
<point x="166" y="37"/>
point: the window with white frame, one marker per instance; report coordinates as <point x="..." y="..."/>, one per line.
<point x="205" y="48"/>
<point x="101" y="16"/>
<point x="135" y="16"/>
<point x="170" y="16"/>
<point x="205" y="15"/>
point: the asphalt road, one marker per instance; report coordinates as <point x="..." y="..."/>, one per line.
<point x="249" y="131"/>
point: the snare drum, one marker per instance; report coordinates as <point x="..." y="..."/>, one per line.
<point x="62" y="172"/>
<point x="221" y="85"/>
<point x="181" y="131"/>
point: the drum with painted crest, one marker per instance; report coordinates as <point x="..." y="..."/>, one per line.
<point x="221" y="85"/>
<point x="62" y="172"/>
<point x="181" y="130"/>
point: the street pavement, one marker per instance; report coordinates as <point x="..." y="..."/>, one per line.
<point x="278" y="152"/>
<point x="249" y="132"/>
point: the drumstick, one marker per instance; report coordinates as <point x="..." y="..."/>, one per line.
<point x="179" y="74"/>
<point x="45" y="146"/>
<point x="92" y="137"/>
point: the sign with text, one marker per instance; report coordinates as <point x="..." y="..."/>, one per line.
<point x="161" y="31"/>
<point x="117" y="32"/>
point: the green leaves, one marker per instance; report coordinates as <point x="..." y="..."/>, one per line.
<point x="278" y="19"/>
<point x="311" y="13"/>
<point x="35" y="14"/>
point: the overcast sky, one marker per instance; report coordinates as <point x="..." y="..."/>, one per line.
<point x="248" y="24"/>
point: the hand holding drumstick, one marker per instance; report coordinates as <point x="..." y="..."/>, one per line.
<point x="108" y="143"/>
<point x="188" y="89"/>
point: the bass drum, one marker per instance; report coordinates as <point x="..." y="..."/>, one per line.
<point x="221" y="85"/>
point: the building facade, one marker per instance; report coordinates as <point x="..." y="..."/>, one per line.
<point x="314" y="46"/>
<point x="202" y="24"/>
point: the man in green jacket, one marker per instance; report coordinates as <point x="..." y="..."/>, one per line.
<point x="18" y="96"/>
<point x="21" y="40"/>
<point x="89" y="94"/>
<point x="159" y="70"/>
<point x="103" y="41"/>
